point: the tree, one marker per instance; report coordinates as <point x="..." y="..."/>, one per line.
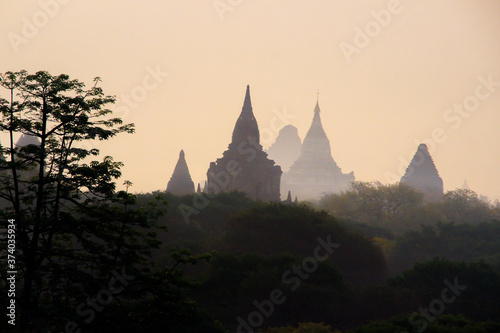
<point x="464" y="206"/>
<point x="374" y="203"/>
<point x="76" y="233"/>
<point x="444" y="324"/>
<point x="304" y="328"/>
<point x="476" y="286"/>
<point x="49" y="179"/>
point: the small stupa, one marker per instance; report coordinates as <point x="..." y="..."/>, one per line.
<point x="181" y="183"/>
<point x="422" y="175"/>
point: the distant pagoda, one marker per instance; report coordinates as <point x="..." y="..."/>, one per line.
<point x="315" y="173"/>
<point x="27" y="139"/>
<point x="244" y="166"/>
<point x="286" y="149"/>
<point x="180" y="183"/>
<point x="28" y="152"/>
<point x="422" y="175"/>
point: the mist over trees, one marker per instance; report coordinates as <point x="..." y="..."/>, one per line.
<point x="401" y="208"/>
<point x="91" y="258"/>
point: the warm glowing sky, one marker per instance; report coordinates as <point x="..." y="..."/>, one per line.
<point x="376" y="107"/>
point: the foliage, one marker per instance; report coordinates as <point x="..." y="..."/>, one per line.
<point x="373" y="203"/>
<point x="75" y="232"/>
<point x="304" y="328"/>
<point x="233" y="284"/>
<point x="464" y="206"/>
<point x="466" y="242"/>
<point x="274" y="228"/>
<point x="443" y="324"/>
<point x="400" y="208"/>
<point x="477" y="301"/>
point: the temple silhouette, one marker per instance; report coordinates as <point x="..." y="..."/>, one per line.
<point x="311" y="171"/>
<point x="244" y="166"/>
<point x="180" y="183"/>
<point x="422" y="175"/>
<point x="315" y="173"/>
<point x="286" y="149"/>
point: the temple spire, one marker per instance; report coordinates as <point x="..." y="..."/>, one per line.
<point x="246" y="129"/>
<point x="315" y="172"/>
<point x="180" y="183"/>
<point x="247" y="166"/>
<point x="247" y="104"/>
<point x="316" y="108"/>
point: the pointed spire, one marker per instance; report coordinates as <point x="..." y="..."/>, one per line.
<point x="315" y="172"/>
<point x="247" y="104"/>
<point x="246" y="128"/>
<point x="316" y="139"/>
<point x="198" y="190"/>
<point x="296" y="201"/>
<point x="289" y="197"/>
<point x="465" y="186"/>
<point x="316" y="108"/>
<point x="180" y="183"/>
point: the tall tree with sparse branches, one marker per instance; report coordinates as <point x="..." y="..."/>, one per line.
<point x="43" y="184"/>
<point x="75" y="233"/>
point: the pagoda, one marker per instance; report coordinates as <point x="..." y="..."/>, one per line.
<point x="422" y="175"/>
<point x="315" y="173"/>
<point x="180" y="183"/>
<point x="244" y="166"/>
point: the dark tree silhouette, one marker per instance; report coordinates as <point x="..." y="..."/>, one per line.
<point x="77" y="235"/>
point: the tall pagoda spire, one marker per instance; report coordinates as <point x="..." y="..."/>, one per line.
<point x="244" y="166"/>
<point x="181" y="183"/>
<point x="315" y="172"/>
<point x="316" y="141"/>
<point x="316" y="108"/>
<point x="246" y="128"/>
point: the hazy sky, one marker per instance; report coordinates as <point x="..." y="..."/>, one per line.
<point x="391" y="74"/>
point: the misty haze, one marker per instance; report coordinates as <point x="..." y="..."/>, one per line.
<point x="231" y="166"/>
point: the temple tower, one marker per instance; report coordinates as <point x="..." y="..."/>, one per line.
<point x="244" y="166"/>
<point x="27" y="152"/>
<point x="422" y="175"/>
<point x="180" y="183"/>
<point x="315" y="173"/>
<point x="286" y="149"/>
